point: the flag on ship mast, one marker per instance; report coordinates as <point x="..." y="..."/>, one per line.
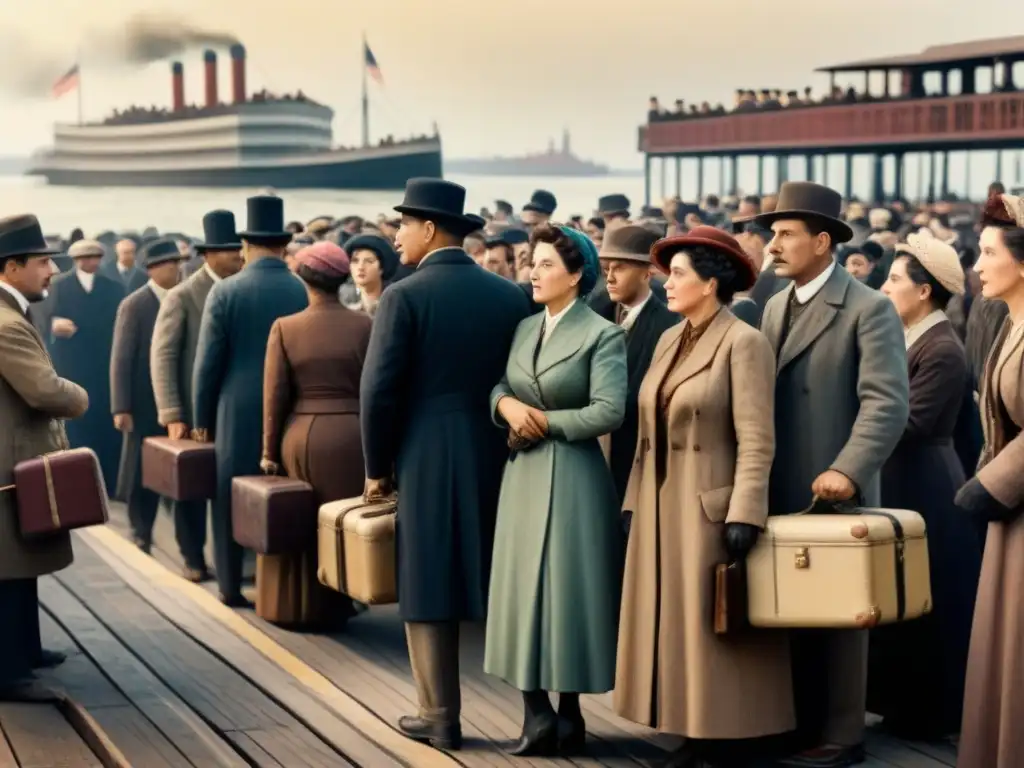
<point x="371" y="64"/>
<point x="66" y="83"/>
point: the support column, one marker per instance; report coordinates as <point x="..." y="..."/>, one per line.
<point x="808" y="168"/>
<point x="824" y="170"/>
<point x="647" y="179"/>
<point x="999" y="165"/>
<point x="931" y="177"/>
<point x="898" y="185"/>
<point x="760" y="175"/>
<point x="945" y="175"/>
<point x="700" y="178"/>
<point x="878" y="181"/>
<point x="664" y="185"/>
<point x="679" y="176"/>
<point x="783" y="166"/>
<point x="848" y="179"/>
<point x="734" y="175"/>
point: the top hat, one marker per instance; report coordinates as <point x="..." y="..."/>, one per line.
<point x="439" y="201"/>
<point x="160" y="251"/>
<point x="629" y="243"/>
<point x="542" y="201"/>
<point x="265" y="221"/>
<point x="22" y="236"/>
<point x="219" y="232"/>
<point x="807" y="200"/>
<point x="612" y="204"/>
<point x="709" y="237"/>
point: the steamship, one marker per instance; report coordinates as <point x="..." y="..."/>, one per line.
<point x="256" y="140"/>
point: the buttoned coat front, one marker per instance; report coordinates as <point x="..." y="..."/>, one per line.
<point x="33" y="401"/>
<point x="552" y="616"/>
<point x="175" y="340"/>
<point x="674" y="673"/>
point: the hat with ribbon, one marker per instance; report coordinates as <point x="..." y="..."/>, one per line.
<point x="160" y="251"/>
<point x="805" y="200"/>
<point x="630" y="243"/>
<point x="22" y="236"/>
<point x="709" y="237"/>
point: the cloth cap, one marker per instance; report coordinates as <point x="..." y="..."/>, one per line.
<point x="324" y="257"/>
<point x="84" y="249"/>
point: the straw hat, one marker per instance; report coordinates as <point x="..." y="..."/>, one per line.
<point x="1015" y="207"/>
<point x="939" y="260"/>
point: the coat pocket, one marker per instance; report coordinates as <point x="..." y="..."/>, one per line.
<point x="715" y="503"/>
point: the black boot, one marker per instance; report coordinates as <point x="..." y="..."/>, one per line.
<point x="572" y="729"/>
<point x="540" y="727"/>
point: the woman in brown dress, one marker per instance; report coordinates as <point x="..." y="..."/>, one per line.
<point x="311" y="428"/>
<point x="698" y="497"/>
<point x="992" y="735"/>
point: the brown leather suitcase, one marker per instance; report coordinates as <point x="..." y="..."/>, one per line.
<point x="182" y="470"/>
<point x="60" y="491"/>
<point x="273" y="515"/>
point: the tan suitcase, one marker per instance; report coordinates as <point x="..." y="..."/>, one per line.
<point x="839" y="571"/>
<point x="356" y="549"/>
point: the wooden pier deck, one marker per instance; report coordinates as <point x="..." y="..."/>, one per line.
<point x="171" y="678"/>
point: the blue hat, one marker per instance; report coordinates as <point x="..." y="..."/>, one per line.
<point x="160" y="251"/>
<point x="591" y="262"/>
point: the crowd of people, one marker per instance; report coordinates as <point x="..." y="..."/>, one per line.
<point x="581" y="420"/>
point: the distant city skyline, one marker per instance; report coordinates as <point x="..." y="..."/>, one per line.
<point x="498" y="80"/>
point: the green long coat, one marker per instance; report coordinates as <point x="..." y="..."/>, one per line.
<point x="556" y="576"/>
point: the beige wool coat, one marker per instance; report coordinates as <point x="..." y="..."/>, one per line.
<point x="33" y="401"/>
<point x="673" y="672"/>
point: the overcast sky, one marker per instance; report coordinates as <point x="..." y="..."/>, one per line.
<point x="500" y="77"/>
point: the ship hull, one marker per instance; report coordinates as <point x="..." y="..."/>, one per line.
<point x="386" y="172"/>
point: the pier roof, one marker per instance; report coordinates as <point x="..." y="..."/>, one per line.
<point x="956" y="53"/>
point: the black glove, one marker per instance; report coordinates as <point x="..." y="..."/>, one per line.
<point x="974" y="499"/>
<point x="740" y="538"/>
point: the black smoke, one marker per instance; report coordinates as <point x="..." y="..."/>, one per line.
<point x="148" y="38"/>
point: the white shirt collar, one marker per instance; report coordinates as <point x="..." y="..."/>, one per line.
<point x="213" y="275"/>
<point x="122" y="268"/>
<point x="808" y="291"/>
<point x="87" y="279"/>
<point x="18" y="295"/>
<point x="160" y="292"/>
<point x="922" y="326"/>
<point x="634" y="312"/>
<point x="550" y="321"/>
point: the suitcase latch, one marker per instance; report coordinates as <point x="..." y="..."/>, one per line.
<point x="802" y="558"/>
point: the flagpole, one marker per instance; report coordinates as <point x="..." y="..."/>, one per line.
<point x="366" y="98"/>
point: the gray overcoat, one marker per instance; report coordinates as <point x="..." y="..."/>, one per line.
<point x="173" y="353"/>
<point x="33" y="400"/>
<point x="553" y="612"/>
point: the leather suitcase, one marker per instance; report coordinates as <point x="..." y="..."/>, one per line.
<point x="182" y="470"/>
<point x="60" y="491"/>
<point x="356" y="549"/>
<point x="839" y="571"/>
<point x="273" y="515"/>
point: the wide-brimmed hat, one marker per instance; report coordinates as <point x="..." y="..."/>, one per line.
<point x="160" y="251"/>
<point x="630" y="243"/>
<point x="939" y="260"/>
<point x="22" y="236"/>
<point x="710" y="237"/>
<point x="806" y="200"/>
<point x="219" y="233"/>
<point x="265" y="221"/>
<point x="542" y="201"/>
<point x="386" y="253"/>
<point x="87" y="249"/>
<point x="440" y="201"/>
<point x="617" y="203"/>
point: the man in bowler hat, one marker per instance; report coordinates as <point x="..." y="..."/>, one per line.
<point x="131" y="384"/>
<point x="227" y="382"/>
<point x="841" y="405"/>
<point x="172" y="358"/>
<point x="439" y="345"/>
<point x="34" y="401"/>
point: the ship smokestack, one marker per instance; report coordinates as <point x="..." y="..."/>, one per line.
<point x="238" y="72"/>
<point x="177" y="87"/>
<point x="210" y="60"/>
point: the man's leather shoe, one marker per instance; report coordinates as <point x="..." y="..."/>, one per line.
<point x="828" y="756"/>
<point x="438" y="735"/>
<point x="235" y="601"/>
<point x="195" y="575"/>
<point x="50" y="659"/>
<point x="27" y="692"/>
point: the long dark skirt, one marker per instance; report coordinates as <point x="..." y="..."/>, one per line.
<point x="917" y="669"/>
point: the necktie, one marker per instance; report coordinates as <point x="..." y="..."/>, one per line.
<point x="620" y="314"/>
<point x="28" y="314"/>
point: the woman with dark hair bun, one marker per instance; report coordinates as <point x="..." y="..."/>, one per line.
<point x="992" y="735"/>
<point x="698" y="498"/>
<point x="553" y="607"/>
<point x="311" y="428"/>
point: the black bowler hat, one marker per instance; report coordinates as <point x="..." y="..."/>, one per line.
<point x="160" y="251"/>
<point x="439" y="201"/>
<point x="542" y="201"/>
<point x="219" y="232"/>
<point x="265" y="221"/>
<point x="613" y="204"/>
<point x="22" y="236"/>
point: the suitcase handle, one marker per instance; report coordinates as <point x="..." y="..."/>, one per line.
<point x="820" y="506"/>
<point x="378" y="513"/>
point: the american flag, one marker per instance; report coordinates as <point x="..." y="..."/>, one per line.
<point x="371" y="64"/>
<point x="68" y="82"/>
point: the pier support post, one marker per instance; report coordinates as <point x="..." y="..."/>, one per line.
<point x="999" y="165"/>
<point x="945" y="175"/>
<point x="700" y="178"/>
<point x="760" y="175"/>
<point x="808" y="167"/>
<point x="931" y="177"/>
<point x="783" y="166"/>
<point x="878" y="182"/>
<point x="679" y="176"/>
<point x="734" y="175"/>
<point x="967" y="175"/>
<point x="647" y="179"/>
<point x="897" y="192"/>
<point x="824" y="170"/>
<point x="663" y="180"/>
<point x="848" y="178"/>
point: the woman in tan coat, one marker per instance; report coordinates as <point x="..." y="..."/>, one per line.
<point x="991" y="736"/>
<point x="698" y="497"/>
<point x="311" y="427"/>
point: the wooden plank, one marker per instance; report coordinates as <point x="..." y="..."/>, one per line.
<point x="323" y="707"/>
<point x="6" y="755"/>
<point x="40" y="737"/>
<point x="171" y="722"/>
<point x="254" y="752"/>
<point x="78" y="676"/>
<point x="944" y="753"/>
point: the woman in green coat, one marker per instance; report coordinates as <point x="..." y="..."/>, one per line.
<point x="556" y="575"/>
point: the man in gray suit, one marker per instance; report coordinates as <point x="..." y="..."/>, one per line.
<point x="841" y="405"/>
<point x="172" y="358"/>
